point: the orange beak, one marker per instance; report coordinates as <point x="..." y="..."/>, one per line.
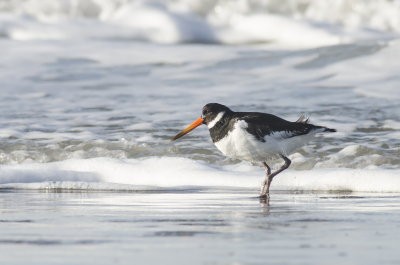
<point x="195" y="124"/>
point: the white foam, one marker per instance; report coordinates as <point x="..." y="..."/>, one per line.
<point x="178" y="173"/>
<point x="341" y="180"/>
<point x="302" y="25"/>
<point x="155" y="22"/>
<point x="349" y="150"/>
<point x="391" y="124"/>
<point x="274" y="28"/>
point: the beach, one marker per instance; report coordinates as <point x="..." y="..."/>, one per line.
<point x="198" y="227"/>
<point x="93" y="91"/>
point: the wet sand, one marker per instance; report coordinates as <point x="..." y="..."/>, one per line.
<point x="198" y="227"/>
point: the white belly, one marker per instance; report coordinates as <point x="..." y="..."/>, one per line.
<point x="242" y="145"/>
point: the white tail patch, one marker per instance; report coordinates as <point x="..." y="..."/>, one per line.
<point x="216" y="119"/>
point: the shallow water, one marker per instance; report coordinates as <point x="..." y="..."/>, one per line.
<point x="100" y="92"/>
<point x="126" y="100"/>
<point x="198" y="227"/>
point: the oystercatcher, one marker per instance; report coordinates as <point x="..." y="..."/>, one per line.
<point x="254" y="136"/>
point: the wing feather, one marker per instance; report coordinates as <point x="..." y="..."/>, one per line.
<point x="263" y="124"/>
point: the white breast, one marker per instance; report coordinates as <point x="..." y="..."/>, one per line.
<point x="244" y="146"/>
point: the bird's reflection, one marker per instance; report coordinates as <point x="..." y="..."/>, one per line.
<point x="264" y="202"/>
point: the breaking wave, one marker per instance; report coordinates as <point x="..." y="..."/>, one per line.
<point x="292" y="22"/>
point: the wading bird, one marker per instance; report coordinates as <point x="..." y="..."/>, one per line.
<point x="254" y="136"/>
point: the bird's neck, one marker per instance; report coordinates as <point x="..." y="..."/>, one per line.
<point x="221" y="126"/>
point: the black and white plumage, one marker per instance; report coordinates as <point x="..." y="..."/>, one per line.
<point x="254" y="136"/>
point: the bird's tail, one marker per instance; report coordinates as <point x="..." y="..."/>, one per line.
<point x="329" y="130"/>
<point x="305" y="120"/>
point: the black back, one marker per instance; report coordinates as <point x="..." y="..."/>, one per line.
<point x="259" y="124"/>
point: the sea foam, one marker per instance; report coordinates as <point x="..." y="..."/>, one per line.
<point x="182" y="173"/>
<point x="289" y="22"/>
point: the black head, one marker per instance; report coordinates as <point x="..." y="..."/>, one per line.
<point x="211" y="110"/>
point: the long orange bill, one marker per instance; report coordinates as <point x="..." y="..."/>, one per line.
<point x="195" y="124"/>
